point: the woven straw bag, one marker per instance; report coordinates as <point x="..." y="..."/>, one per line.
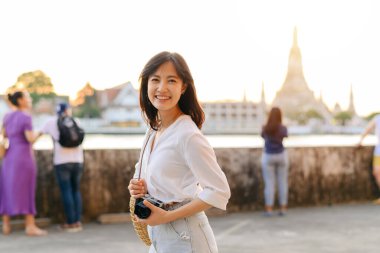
<point x="140" y="228"/>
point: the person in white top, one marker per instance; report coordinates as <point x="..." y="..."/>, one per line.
<point x="68" y="167"/>
<point x="374" y="125"/>
<point x="179" y="166"/>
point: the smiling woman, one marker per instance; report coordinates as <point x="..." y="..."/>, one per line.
<point x="179" y="166"/>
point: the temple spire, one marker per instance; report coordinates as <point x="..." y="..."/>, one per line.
<point x="262" y="100"/>
<point x="263" y="103"/>
<point x="294" y="95"/>
<point x="295" y="71"/>
<point x="295" y="37"/>
<point x="320" y="96"/>
<point x="351" y="106"/>
<point x="245" y="95"/>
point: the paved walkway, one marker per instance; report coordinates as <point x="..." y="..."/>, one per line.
<point x="343" y="228"/>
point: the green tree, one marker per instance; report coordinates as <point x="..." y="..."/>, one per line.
<point x="37" y="83"/>
<point x="298" y="116"/>
<point x="371" y="116"/>
<point x="301" y="118"/>
<point x="343" y="117"/>
<point x="313" y="114"/>
<point x="88" y="109"/>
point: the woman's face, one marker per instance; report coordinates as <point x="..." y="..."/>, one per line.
<point x="165" y="88"/>
<point x="25" y="102"/>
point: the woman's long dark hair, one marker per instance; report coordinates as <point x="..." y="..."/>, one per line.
<point x="274" y="121"/>
<point x="13" y="98"/>
<point x="188" y="103"/>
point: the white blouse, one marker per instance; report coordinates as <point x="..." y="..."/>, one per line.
<point x="182" y="165"/>
<point x="61" y="154"/>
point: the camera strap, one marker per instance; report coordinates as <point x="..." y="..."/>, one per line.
<point x="142" y="153"/>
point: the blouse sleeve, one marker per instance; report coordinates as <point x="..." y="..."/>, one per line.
<point x="27" y="125"/>
<point x="201" y="159"/>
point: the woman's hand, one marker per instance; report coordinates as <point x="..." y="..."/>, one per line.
<point x="137" y="188"/>
<point x="158" y="216"/>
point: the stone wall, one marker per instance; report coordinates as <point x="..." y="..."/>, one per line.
<point x="317" y="176"/>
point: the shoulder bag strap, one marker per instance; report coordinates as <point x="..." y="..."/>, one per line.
<point x="142" y="153"/>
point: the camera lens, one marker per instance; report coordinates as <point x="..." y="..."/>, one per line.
<point x="141" y="210"/>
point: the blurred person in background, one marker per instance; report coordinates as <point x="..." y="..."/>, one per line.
<point x="68" y="163"/>
<point x="275" y="162"/>
<point x="374" y="125"/>
<point x="19" y="171"/>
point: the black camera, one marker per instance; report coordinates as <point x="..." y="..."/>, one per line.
<point x="143" y="211"/>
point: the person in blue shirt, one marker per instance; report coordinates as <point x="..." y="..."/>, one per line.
<point x="275" y="163"/>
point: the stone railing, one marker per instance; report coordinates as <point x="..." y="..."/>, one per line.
<point x="317" y="176"/>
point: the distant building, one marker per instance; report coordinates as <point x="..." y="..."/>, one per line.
<point x="120" y="106"/>
<point x="48" y="105"/>
<point x="355" y="119"/>
<point x="351" y="105"/>
<point x="295" y="98"/>
<point x="337" y="108"/>
<point x="298" y="101"/>
<point x="234" y="117"/>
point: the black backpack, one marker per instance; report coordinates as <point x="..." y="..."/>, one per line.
<point x="70" y="134"/>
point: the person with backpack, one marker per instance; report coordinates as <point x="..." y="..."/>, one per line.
<point x="68" y="163"/>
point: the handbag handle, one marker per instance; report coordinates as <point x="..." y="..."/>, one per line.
<point x="142" y="153"/>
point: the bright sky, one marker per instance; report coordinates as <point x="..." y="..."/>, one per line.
<point x="229" y="45"/>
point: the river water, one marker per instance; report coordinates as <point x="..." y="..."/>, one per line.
<point x="124" y="141"/>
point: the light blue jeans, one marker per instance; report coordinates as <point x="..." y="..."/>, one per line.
<point x="275" y="168"/>
<point x="188" y="235"/>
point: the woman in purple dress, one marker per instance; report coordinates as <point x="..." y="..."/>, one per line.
<point x="19" y="171"/>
